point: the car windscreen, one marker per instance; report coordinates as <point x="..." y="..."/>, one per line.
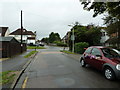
<point x="110" y="53"/>
<point x="88" y="50"/>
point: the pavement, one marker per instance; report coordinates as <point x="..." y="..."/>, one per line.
<point x="2" y="59"/>
<point x="15" y="63"/>
<point x="53" y="69"/>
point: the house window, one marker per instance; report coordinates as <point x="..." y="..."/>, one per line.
<point x="103" y="33"/>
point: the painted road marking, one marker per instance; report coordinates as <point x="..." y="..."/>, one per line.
<point x="25" y="82"/>
<point x="50" y="52"/>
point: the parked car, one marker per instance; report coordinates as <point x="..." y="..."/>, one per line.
<point x="103" y="58"/>
<point x="41" y="44"/>
<point x="31" y="44"/>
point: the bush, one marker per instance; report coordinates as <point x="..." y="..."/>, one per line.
<point x="79" y="47"/>
<point x="58" y="43"/>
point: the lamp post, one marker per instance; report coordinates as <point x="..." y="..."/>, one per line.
<point x="72" y="38"/>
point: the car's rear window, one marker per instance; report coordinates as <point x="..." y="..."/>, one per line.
<point x="110" y="53"/>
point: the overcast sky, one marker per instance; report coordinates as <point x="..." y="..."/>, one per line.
<point x="45" y="16"/>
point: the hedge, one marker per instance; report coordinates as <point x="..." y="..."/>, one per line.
<point x="58" y="43"/>
<point x="79" y="47"/>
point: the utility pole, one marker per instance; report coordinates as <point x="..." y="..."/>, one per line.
<point x="35" y="40"/>
<point x="72" y="37"/>
<point x="21" y="33"/>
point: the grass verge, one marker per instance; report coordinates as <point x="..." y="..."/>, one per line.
<point x="7" y="77"/>
<point x="68" y="52"/>
<point x="30" y="53"/>
<point x="33" y="47"/>
<point x="2" y="59"/>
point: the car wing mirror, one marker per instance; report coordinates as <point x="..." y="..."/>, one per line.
<point x="98" y="56"/>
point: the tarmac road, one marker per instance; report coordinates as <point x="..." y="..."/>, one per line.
<point x="52" y="69"/>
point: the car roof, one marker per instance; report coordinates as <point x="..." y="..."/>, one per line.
<point x="99" y="47"/>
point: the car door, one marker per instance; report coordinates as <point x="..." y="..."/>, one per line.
<point x="96" y="58"/>
<point x="87" y="55"/>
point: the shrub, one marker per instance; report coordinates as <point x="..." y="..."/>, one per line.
<point x="79" y="47"/>
<point x="58" y="43"/>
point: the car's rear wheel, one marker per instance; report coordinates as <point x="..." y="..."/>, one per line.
<point x="109" y="73"/>
<point x="83" y="64"/>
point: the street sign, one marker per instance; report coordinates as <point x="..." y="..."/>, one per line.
<point x="72" y="37"/>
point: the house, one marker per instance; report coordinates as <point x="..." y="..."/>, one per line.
<point x="31" y="40"/>
<point x="114" y="40"/>
<point x="9" y="47"/>
<point x="66" y="38"/>
<point x="104" y="37"/>
<point x="4" y="31"/>
<point x="27" y="36"/>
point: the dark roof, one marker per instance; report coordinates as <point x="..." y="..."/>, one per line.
<point x="3" y="30"/>
<point x="7" y="39"/>
<point x="32" y="38"/>
<point x="30" y="33"/>
<point x="25" y="32"/>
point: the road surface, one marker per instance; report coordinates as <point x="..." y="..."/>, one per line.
<point x="52" y="69"/>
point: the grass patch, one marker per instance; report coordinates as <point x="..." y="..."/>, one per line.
<point x="33" y="47"/>
<point x="68" y="52"/>
<point x="7" y="77"/>
<point x="30" y="53"/>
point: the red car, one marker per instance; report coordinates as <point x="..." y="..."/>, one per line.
<point x="103" y="58"/>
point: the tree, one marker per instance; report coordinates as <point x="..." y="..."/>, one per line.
<point x="90" y="34"/>
<point x="57" y="37"/>
<point x="112" y="20"/>
<point x="51" y="37"/>
<point x="46" y="40"/>
<point x="101" y="7"/>
<point x="54" y="37"/>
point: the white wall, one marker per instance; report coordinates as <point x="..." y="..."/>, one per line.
<point x="104" y="37"/>
<point x="18" y="37"/>
<point x="24" y="37"/>
<point x="30" y="41"/>
<point x="7" y="33"/>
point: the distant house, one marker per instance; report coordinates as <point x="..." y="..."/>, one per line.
<point x="66" y="38"/>
<point x="4" y="31"/>
<point x="31" y="40"/>
<point x="27" y="36"/>
<point x="114" y="40"/>
<point x="9" y="47"/>
<point x="104" y="37"/>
